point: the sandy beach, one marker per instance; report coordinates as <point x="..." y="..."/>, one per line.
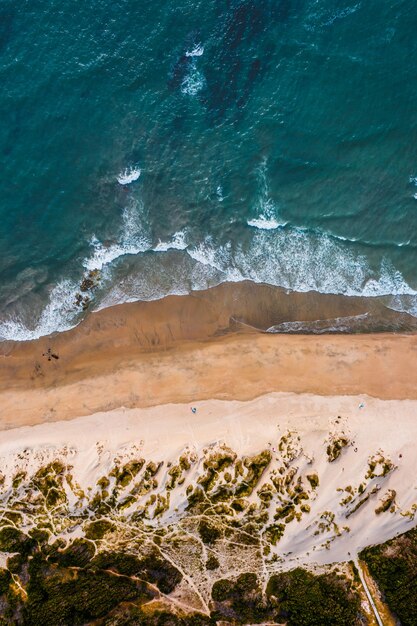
<point x="211" y="345"/>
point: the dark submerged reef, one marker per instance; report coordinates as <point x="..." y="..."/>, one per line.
<point x="231" y="75"/>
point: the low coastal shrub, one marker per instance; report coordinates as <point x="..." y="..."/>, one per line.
<point x="209" y="531"/>
<point x="151" y="567"/>
<point x="97" y="529"/>
<point x="131" y="615"/>
<point x="240" y="601"/>
<point x="78" y="554"/>
<point x="335" y="447"/>
<point x="12" y="540"/>
<point x="5" y="578"/>
<point x="313" y="479"/>
<point x="212" y="563"/>
<point x="57" y="595"/>
<point x="394" y="565"/>
<point x="303" y="599"/>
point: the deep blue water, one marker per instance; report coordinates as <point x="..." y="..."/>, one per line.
<point x="276" y="140"/>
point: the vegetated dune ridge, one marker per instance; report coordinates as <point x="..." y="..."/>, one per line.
<point x="263" y="486"/>
<point x="347" y="454"/>
<point x="211" y="344"/>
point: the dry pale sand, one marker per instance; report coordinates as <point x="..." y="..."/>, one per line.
<point x="91" y="444"/>
<point x="183" y="349"/>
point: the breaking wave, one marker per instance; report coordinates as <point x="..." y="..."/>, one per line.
<point x="129" y="175"/>
<point x="286" y="257"/>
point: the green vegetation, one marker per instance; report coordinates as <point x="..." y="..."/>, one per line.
<point x="209" y="531"/>
<point x="12" y="540"/>
<point x="5" y="578"/>
<point x="378" y="465"/>
<point x="98" y="529"/>
<point x="105" y="555"/>
<point x="75" y="584"/>
<point x="58" y="595"/>
<point x="126" y="474"/>
<point x="241" y="601"/>
<point x="387" y="502"/>
<point x="212" y="563"/>
<point x="256" y="466"/>
<point x="313" y="479"/>
<point x="274" y="533"/>
<point x="296" y="598"/>
<point x="303" y="599"/>
<point x="128" y="615"/>
<point x="394" y="565"/>
<point x="150" y="567"/>
<point x="78" y="554"/>
<point x="335" y="447"/>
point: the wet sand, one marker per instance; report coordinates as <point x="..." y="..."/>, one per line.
<point x="208" y="345"/>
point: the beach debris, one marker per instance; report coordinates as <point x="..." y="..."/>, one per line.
<point x="362" y="405"/>
<point x="193" y="409"/>
<point x="50" y="355"/>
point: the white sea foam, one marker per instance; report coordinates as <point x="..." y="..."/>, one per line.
<point x="267" y="211"/>
<point x="403" y="303"/>
<point x="290" y="258"/>
<point x="129" y="175"/>
<point x="133" y="239"/>
<point x="342" y="14"/>
<point x="318" y="327"/>
<point x="295" y="259"/>
<point x="197" y="51"/>
<point x="178" y="242"/>
<point x="219" y="258"/>
<point x="193" y="82"/>
<point x="263" y="223"/>
<point x="58" y="315"/>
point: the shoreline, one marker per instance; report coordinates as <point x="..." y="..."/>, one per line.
<point x="278" y="307"/>
<point x="200" y="347"/>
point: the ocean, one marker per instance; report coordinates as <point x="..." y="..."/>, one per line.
<point x="174" y="145"/>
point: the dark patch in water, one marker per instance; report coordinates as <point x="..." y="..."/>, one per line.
<point x="233" y="72"/>
<point x="7" y="15"/>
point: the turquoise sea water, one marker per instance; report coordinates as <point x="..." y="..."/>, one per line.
<point x="176" y="144"/>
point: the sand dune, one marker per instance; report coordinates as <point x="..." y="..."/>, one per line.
<point x="336" y="518"/>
